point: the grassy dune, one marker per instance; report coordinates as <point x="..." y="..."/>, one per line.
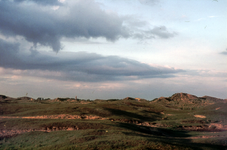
<point x="181" y="121"/>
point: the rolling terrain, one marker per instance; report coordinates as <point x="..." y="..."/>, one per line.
<point x="181" y="121"/>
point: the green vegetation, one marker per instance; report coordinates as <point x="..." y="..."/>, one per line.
<point x="64" y="123"/>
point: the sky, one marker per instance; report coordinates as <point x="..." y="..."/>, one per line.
<point x="105" y="49"/>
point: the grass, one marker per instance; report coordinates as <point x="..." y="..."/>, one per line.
<point x="130" y="138"/>
<point x="126" y="126"/>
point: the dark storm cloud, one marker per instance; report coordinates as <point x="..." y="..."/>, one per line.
<point x="75" y="19"/>
<point x="80" y="66"/>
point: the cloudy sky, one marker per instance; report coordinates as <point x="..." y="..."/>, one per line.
<point x="113" y="48"/>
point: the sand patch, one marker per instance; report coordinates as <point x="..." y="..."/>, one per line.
<point x="199" y="116"/>
<point x="218" y="126"/>
<point x="170" y="114"/>
<point x="138" y="99"/>
<point x="217" y="108"/>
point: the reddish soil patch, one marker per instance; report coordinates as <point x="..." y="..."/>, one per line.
<point x="61" y="116"/>
<point x="206" y="137"/>
<point x="9" y="133"/>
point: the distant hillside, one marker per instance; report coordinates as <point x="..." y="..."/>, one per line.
<point x="187" y="101"/>
<point x="2" y="97"/>
<point x="214" y="99"/>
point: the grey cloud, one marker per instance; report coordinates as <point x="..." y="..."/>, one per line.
<point x="142" y="29"/>
<point x="35" y="26"/>
<point x="207" y="73"/>
<point x="162" y="32"/>
<point x="224" y="52"/>
<point x="81" y="66"/>
<point x="134" y="22"/>
<point x="75" y="19"/>
<point x="47" y="27"/>
<point x="148" y="2"/>
<point x="42" y="2"/>
<point x="8" y="52"/>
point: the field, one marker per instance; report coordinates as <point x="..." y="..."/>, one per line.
<point x="181" y="121"/>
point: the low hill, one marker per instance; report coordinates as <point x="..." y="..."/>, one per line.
<point x="187" y="101"/>
<point x="2" y="97"/>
